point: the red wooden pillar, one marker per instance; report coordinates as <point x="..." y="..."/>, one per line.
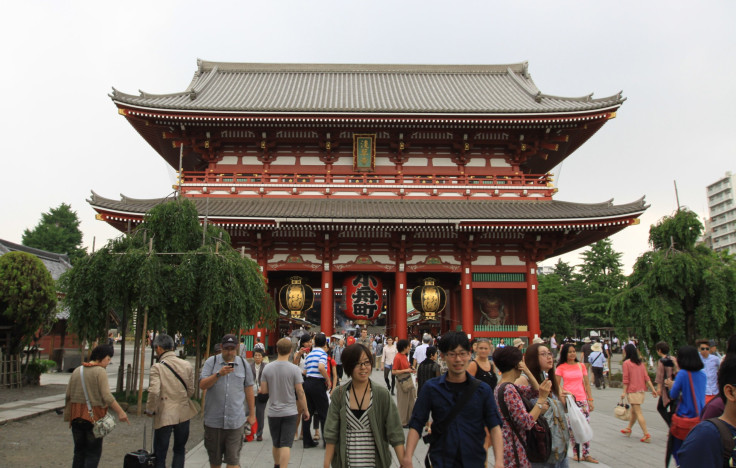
<point x="466" y="299"/>
<point x="532" y="299"/>
<point x="326" y="311"/>
<point x="454" y="308"/>
<point x="400" y="304"/>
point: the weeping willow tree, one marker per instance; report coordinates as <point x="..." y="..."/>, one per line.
<point x="679" y="290"/>
<point x="188" y="280"/>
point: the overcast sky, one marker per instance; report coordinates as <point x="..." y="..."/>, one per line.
<point x="62" y="136"/>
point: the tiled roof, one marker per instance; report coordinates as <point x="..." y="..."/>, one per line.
<point x="55" y="263"/>
<point x="347" y="88"/>
<point x="384" y="210"/>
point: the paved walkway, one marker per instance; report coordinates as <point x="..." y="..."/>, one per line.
<point x="608" y="445"/>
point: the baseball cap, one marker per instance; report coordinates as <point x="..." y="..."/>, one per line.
<point x="229" y="341"/>
<point x="712" y="343"/>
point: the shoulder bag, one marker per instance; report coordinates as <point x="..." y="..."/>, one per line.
<point x="538" y="443"/>
<point x="406" y="383"/>
<point x="727" y="441"/>
<point x="105" y="424"/>
<point x="681" y="426"/>
<point x="439" y="428"/>
<point x="196" y="407"/>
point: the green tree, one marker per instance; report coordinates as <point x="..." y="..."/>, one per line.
<point x="27" y="297"/>
<point x="58" y="231"/>
<point x="555" y="305"/>
<point x="601" y="276"/>
<point x="186" y="281"/>
<point x="679" y="290"/>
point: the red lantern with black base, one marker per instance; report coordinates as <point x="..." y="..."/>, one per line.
<point x="363" y="295"/>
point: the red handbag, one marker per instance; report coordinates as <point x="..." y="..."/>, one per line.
<point x="681" y="426"/>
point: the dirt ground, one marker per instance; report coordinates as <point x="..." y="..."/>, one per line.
<point x="46" y="440"/>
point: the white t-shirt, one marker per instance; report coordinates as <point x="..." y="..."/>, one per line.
<point x="553" y="343"/>
<point x="420" y="354"/>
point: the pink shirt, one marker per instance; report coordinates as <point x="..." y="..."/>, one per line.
<point x="635" y="377"/>
<point x="572" y="379"/>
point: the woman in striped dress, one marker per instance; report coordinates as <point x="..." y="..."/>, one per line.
<point x="363" y="421"/>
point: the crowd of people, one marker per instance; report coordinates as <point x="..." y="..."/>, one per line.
<point x="446" y="390"/>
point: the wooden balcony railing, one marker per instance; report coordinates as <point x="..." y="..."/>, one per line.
<point x="229" y="184"/>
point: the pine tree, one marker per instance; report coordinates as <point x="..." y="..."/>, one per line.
<point x="57" y="231"/>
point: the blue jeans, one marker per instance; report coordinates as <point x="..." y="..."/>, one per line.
<point x="161" y="439"/>
<point x="87" y="448"/>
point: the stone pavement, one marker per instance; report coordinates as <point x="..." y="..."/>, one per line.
<point x="608" y="446"/>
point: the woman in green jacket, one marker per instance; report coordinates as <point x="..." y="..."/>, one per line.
<point x="363" y="421"/>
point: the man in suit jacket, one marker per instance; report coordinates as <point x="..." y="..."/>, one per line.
<point x="170" y="387"/>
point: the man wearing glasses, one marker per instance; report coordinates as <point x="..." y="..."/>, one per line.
<point x="711" y="364"/>
<point x="458" y="443"/>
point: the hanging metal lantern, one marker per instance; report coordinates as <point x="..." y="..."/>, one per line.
<point x="296" y="297"/>
<point x="363" y="295"/>
<point x="429" y="299"/>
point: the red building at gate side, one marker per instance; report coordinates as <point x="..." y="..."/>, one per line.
<point x="400" y="171"/>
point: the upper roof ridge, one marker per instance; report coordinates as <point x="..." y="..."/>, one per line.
<point x="204" y="66"/>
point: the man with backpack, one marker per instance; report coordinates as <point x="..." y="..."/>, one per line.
<point x="711" y="443"/>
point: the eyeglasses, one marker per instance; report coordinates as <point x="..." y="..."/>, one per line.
<point x="453" y="355"/>
<point x="364" y="364"/>
<point x="545" y="354"/>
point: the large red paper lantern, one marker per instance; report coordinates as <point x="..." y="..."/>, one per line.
<point x="363" y="295"/>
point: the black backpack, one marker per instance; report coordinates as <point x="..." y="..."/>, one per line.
<point x="726" y="441"/>
<point x="538" y="444"/>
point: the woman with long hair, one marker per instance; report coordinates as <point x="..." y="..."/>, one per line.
<point x="540" y="362"/>
<point x="403" y="370"/>
<point x="516" y="418"/>
<point x="635" y="381"/>
<point x="572" y="376"/>
<point x="690" y="405"/>
<point x="362" y="422"/>
<point x="88" y="448"/>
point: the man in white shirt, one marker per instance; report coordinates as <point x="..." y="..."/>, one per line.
<point x="553" y="345"/>
<point x="420" y="354"/>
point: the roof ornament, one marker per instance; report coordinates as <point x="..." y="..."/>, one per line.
<point x="538" y="96"/>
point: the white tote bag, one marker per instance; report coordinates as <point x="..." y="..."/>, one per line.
<point x="580" y="427"/>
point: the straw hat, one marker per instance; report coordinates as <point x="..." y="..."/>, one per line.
<point x="537" y="340"/>
<point x="596" y="347"/>
<point x="518" y="342"/>
<point x="586" y="339"/>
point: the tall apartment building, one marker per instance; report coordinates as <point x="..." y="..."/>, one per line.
<point x="722" y="210"/>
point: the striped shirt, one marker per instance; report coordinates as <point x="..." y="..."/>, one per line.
<point x="312" y="363"/>
<point x="361" y="448"/>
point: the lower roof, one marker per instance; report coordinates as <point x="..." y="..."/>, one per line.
<point x="400" y="211"/>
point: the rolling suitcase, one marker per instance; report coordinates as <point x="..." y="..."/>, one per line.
<point x="141" y="458"/>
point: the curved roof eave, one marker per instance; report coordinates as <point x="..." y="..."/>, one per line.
<point x="180" y="112"/>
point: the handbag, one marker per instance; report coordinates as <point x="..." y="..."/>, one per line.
<point x="105" y="424"/>
<point x="622" y="410"/>
<point x="681" y="426"/>
<point x="406" y="383"/>
<point x="538" y="445"/>
<point x="581" y="429"/>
